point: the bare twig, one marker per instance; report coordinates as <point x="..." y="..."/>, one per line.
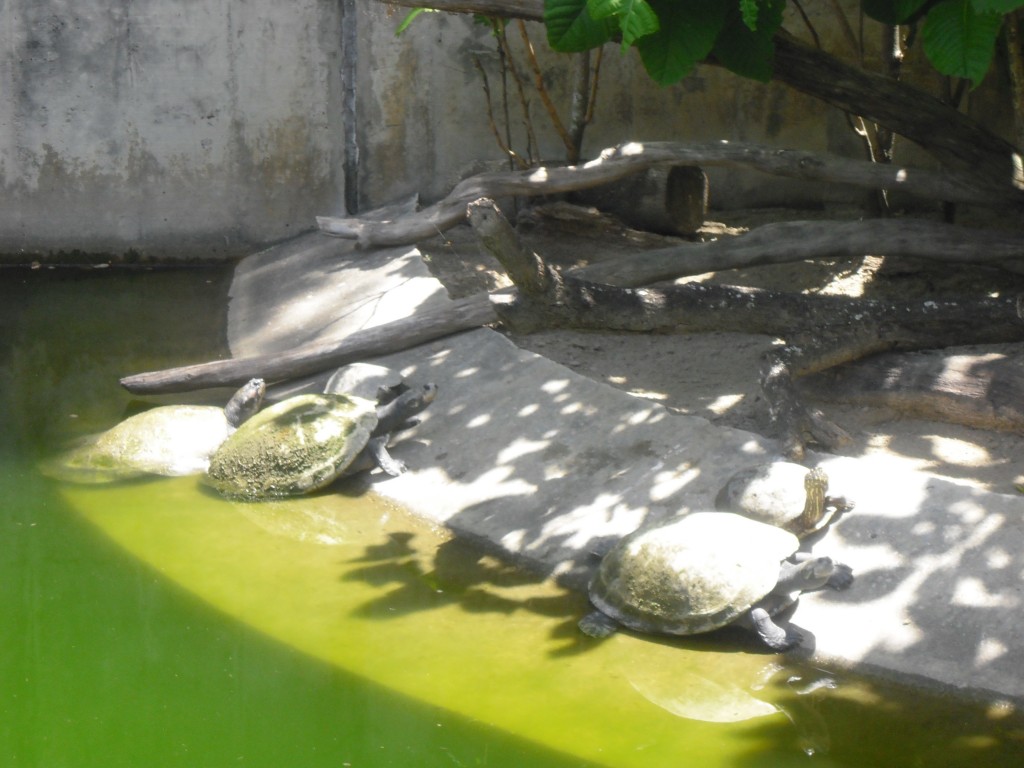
<point x="502" y="144"/>
<point x="545" y="97"/>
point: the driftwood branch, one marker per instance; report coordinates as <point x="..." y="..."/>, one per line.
<point x="820" y="331"/>
<point x="786" y="242"/>
<point x="619" y="162"/>
<point x="471" y="312"/>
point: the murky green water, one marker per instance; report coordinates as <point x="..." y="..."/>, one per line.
<point x="153" y="624"/>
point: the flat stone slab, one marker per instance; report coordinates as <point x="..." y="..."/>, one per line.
<point x="550" y="468"/>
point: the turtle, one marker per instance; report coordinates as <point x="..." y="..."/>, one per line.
<point x="171" y="440"/>
<point x="703" y="571"/>
<point x="304" y="443"/>
<point x="782" y="494"/>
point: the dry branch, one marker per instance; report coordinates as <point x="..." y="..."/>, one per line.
<point x="618" y="162"/>
<point x="786" y="242"/>
<point x="471" y="312"/>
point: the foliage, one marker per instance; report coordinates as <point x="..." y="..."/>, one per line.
<point x="672" y="36"/>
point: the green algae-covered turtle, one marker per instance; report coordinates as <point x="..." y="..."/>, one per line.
<point x="703" y="571"/>
<point x="304" y="443"/>
<point x="170" y="440"/>
<point x="782" y="494"/>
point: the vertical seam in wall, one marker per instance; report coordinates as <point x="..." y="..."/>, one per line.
<point x="349" y="58"/>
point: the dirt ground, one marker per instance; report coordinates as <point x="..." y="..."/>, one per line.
<point x="715" y="375"/>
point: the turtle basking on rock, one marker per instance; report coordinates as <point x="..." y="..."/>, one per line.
<point x="782" y="494"/>
<point x="170" y="440"/>
<point x="703" y="571"/>
<point x="306" y="442"/>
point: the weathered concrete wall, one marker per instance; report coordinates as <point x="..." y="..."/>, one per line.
<point x="206" y="128"/>
<point x="171" y="128"/>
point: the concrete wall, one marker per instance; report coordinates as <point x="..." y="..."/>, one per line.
<point x="207" y="128"/>
<point x="171" y="128"/>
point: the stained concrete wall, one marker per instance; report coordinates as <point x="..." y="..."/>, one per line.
<point x="169" y="128"/>
<point x="207" y="128"/>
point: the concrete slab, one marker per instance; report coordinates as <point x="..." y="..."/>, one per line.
<point x="550" y="468"/>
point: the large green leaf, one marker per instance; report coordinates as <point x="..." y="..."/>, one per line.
<point x="960" y="42"/>
<point x="571" y="27"/>
<point x="996" y="6"/>
<point x="635" y="18"/>
<point x="749" y="52"/>
<point x="892" y="11"/>
<point x="685" y="36"/>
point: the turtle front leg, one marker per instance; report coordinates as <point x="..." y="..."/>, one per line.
<point x="775" y="637"/>
<point x="597" y="624"/>
<point x="378" y="448"/>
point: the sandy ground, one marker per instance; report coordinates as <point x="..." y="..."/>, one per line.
<point x="714" y="375"/>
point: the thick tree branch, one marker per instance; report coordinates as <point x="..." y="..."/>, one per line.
<point x="789" y="241"/>
<point x="618" y="162"/>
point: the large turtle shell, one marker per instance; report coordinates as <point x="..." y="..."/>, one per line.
<point x="294" y="447"/>
<point x="695" y="574"/>
<point x="169" y="440"/>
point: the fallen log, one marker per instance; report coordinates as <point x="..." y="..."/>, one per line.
<point x="461" y="315"/>
<point x="819" y="331"/>
<point x="669" y="200"/>
<point x="786" y="242"/>
<point x="627" y="159"/>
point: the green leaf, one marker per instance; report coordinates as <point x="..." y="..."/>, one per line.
<point x="892" y="11"/>
<point x="749" y="52"/>
<point x="996" y="6"/>
<point x="571" y="28"/>
<point x="960" y="42"/>
<point x="685" y="36"/>
<point x="635" y="18"/>
<point x="410" y="18"/>
<point x="748" y="10"/>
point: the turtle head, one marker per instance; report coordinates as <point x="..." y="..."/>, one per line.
<point x="245" y="402"/>
<point x="816" y="485"/>
<point x="397" y="414"/>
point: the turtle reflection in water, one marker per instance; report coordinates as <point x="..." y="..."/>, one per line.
<point x="704" y="571"/>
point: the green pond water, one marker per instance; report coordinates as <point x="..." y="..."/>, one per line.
<point x="154" y="624"/>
